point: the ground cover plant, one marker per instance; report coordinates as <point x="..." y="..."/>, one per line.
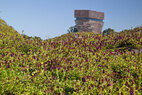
<point x="80" y="64"/>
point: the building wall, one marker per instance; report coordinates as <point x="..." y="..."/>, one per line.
<point x="89" y="26"/>
<point x="89" y="21"/>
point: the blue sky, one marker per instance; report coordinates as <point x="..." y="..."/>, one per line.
<point x="52" y="18"/>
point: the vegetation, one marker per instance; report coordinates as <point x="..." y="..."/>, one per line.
<point x="92" y="64"/>
<point x="72" y="29"/>
<point x="109" y="31"/>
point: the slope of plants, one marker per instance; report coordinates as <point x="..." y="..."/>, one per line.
<point x="81" y="63"/>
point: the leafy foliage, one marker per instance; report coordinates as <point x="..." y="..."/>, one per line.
<point x="108" y="31"/>
<point x="72" y="29"/>
<point x="90" y="64"/>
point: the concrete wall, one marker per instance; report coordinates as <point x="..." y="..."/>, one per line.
<point x="89" y="21"/>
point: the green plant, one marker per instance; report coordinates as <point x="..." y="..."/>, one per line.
<point x="89" y="64"/>
<point x="72" y="29"/>
<point x="108" y="31"/>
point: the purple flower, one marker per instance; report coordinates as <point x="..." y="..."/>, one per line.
<point x="84" y="79"/>
<point x="117" y="89"/>
<point x="103" y="71"/>
<point x="9" y="61"/>
<point x="137" y="88"/>
<point x="59" y="68"/>
<point x="83" y="89"/>
<point x="54" y="77"/>
<point x="64" y="67"/>
<point x="12" y="55"/>
<point x="128" y="70"/>
<point x="99" y="65"/>
<point x="37" y="59"/>
<point x="70" y="62"/>
<point x="109" y="91"/>
<point x="76" y="90"/>
<point x="76" y="65"/>
<point x="49" y="81"/>
<point x="8" y="66"/>
<point x="116" y="51"/>
<point x="89" y="87"/>
<point x="72" y="68"/>
<point x="17" y="78"/>
<point x="22" y="54"/>
<point x="131" y="91"/>
<point x="33" y="57"/>
<point x="109" y="84"/>
<point x="127" y="84"/>
<point x="92" y="85"/>
<point x="68" y="68"/>
<point x="53" y="67"/>
<point x="119" y="94"/>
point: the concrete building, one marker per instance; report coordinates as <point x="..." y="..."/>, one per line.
<point x="89" y="21"/>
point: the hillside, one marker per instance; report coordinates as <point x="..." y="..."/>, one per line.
<point x="81" y="63"/>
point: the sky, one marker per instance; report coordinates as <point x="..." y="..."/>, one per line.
<point x="52" y="18"/>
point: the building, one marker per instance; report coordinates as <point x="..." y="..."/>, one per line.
<point x="89" y="21"/>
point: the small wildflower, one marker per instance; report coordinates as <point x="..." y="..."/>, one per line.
<point x="103" y="71"/>
<point x="84" y="79"/>
<point x="131" y="91"/>
<point x="8" y="66"/>
<point x="54" y="77"/>
<point x="127" y="84"/>
<point x="117" y="89"/>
